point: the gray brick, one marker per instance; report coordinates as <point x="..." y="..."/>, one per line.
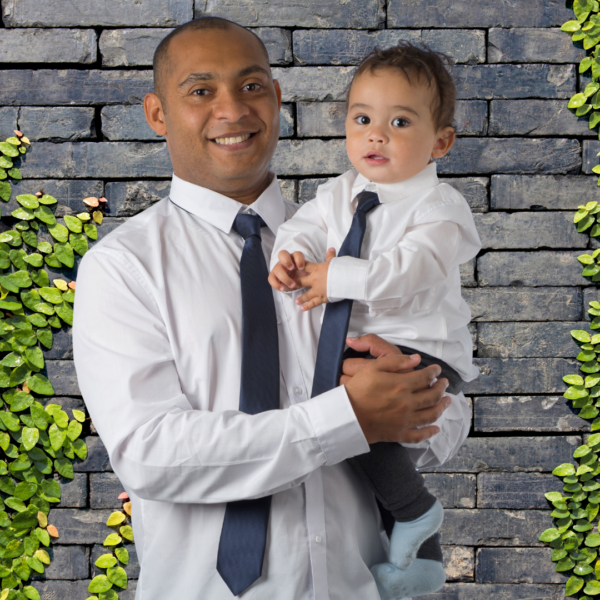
<point x="307" y="188"/>
<point x="135" y="47"/>
<point x="529" y="269"/>
<point x="533" y="340"/>
<point x="22" y="87"/>
<point x="520" y="375"/>
<point x="68" y="562"/>
<point x="97" y="459"/>
<point x="348" y="47"/>
<point x="516" y="565"/>
<point x="312" y="83"/>
<point x="79" y="526"/>
<point x="461" y="13"/>
<point x="57" y="123"/>
<point x="494" y="527"/>
<point x="526" y="413"/>
<point x="516" y="454"/>
<point x="327" y="119"/>
<point x="523" y="304"/>
<point x="479" y="155"/>
<point x="62" y="375"/>
<point x="87" y="160"/>
<point x="52" y="13"/>
<point x="555" y="192"/>
<point x="104" y="490"/>
<point x="62" y="345"/>
<point x="286" y="121"/>
<point x="514" y="230"/>
<point x="289" y="189"/>
<point x="63" y="590"/>
<point x="467" y="274"/>
<point x="514" y="81"/>
<point x="590" y="158"/>
<point x="126" y="123"/>
<point x="74" y="492"/>
<point x="589" y="294"/>
<point x="515" y="490"/>
<point x="459" y="563"/>
<point x="453" y="490"/>
<point x="472" y="327"/>
<point x="8" y="121"/>
<point x="535" y="118"/>
<point x="310" y="157"/>
<point x="128" y="198"/>
<point x="133" y="568"/>
<point x="477" y="591"/>
<point x="68" y="192"/>
<point x="48" y="46"/>
<point x="355" y="14"/>
<point x="474" y="189"/>
<point x="532" y="45"/>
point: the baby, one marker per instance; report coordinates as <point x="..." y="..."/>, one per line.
<point x="403" y="276"/>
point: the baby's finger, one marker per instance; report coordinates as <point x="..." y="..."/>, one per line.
<point x="299" y="260"/>
<point x="283" y="276"/>
<point x="330" y="254"/>
<point x="308" y="295"/>
<point x="276" y="284"/>
<point x="312" y="304"/>
<point x="285" y="258"/>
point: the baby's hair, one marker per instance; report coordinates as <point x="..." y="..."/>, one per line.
<point x="417" y="61"/>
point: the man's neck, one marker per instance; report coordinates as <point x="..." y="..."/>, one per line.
<point x="245" y="195"/>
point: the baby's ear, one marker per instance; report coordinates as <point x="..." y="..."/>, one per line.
<point x="445" y="141"/>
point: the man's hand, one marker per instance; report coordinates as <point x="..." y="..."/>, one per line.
<point x="286" y="271"/>
<point x="391" y="399"/>
<point x="315" y="278"/>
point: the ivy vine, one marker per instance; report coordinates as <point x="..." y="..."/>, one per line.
<point x="574" y="539"/>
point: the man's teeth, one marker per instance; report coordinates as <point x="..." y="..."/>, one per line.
<point x="226" y="141"/>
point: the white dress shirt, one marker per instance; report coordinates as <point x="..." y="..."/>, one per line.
<point x="157" y="341"/>
<point x="407" y="279"/>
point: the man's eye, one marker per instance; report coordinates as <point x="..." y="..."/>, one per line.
<point x="362" y="120"/>
<point x="200" y="92"/>
<point x="251" y="87"/>
<point x="400" y="122"/>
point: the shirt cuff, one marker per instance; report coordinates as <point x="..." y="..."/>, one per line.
<point x="347" y="278"/>
<point x="336" y="427"/>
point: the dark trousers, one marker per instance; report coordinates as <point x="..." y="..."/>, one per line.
<point x="388" y="470"/>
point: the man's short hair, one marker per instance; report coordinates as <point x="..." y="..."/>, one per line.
<point x="160" y="62"/>
<point x="417" y="62"/>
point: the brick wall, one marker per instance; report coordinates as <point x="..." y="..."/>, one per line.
<point x="73" y="80"/>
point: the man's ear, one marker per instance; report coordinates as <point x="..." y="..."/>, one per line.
<point x="444" y="142"/>
<point x="155" y="115"/>
<point x="277" y="91"/>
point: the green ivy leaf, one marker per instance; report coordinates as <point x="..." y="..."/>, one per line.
<point x="73" y="223"/>
<point x="106" y="561"/>
<point x="122" y="555"/>
<point x="100" y="583"/>
<point x="40" y="385"/>
<point x="64" y="253"/>
<point x="25" y="490"/>
<point x="64" y="467"/>
<point x="79" y="243"/>
<point x="59" y="232"/>
<point x="80" y="449"/>
<point x="30" y="437"/>
<point x="117" y="576"/>
<point x="113" y="539"/>
<point x="65" y="312"/>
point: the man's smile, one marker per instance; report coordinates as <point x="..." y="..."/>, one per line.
<point x="235" y="140"/>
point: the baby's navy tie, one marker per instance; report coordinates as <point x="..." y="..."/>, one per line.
<point x="244" y="534"/>
<point x="337" y="314"/>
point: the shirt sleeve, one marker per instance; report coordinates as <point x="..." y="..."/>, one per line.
<point x="454" y="425"/>
<point x="160" y="446"/>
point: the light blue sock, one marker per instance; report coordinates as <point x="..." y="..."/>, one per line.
<point x="406" y="538"/>
<point x="423" y="577"/>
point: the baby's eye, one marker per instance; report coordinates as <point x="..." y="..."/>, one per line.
<point x="362" y="120"/>
<point x="400" y="122"/>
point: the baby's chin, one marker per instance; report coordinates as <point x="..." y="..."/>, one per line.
<point x="386" y="174"/>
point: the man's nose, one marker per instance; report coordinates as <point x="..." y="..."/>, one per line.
<point x="229" y="106"/>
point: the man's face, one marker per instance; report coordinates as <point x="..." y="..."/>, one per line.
<point x="220" y="112"/>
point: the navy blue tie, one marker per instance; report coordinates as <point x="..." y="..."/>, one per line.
<point x="337" y="314"/>
<point x="244" y="534"/>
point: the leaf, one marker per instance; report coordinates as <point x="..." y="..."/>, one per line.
<point x="65" y="312"/>
<point x="80" y="449"/>
<point x="592" y="587"/>
<point x="8" y="149"/>
<point x="122" y="555"/>
<point x="35" y="357"/>
<point x="10" y="421"/>
<point x="116" y="518"/>
<point x="64" y="467"/>
<point x="13" y="549"/>
<point x="61" y="284"/>
<point x="127" y="508"/>
<point x="57" y="436"/>
<point x="106" y="561"/>
<point x="40" y="385"/>
<point x="127" y="532"/>
<point x="113" y="539"/>
<point x="117" y="576"/>
<point x="35" y="260"/>
<point x="96" y="215"/>
<point x="64" y="253"/>
<point x="42" y="556"/>
<point x="30" y="437"/>
<point x="52" y="531"/>
<point x="43" y="536"/>
<point x="74" y="430"/>
<point x="561" y="471"/>
<point x="573" y="379"/>
<point x="47" y="199"/>
<point x="59" y="232"/>
<point x="61" y="418"/>
<point x="91" y="231"/>
<point x="31" y="593"/>
<point x="79" y="243"/>
<point x="78" y="415"/>
<point x="592" y="540"/>
<point x="45" y="336"/>
<point x="99" y="584"/>
<point x="15" y="504"/>
<point x="51" y="294"/>
<point x="73" y="223"/>
<point x="5" y="190"/>
<point x="571" y="26"/>
<point x="582" y="451"/>
<point x="576" y="101"/>
<point x="40" y="277"/>
<point x="51" y="488"/>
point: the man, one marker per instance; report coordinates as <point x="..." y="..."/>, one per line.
<point x="160" y="329"/>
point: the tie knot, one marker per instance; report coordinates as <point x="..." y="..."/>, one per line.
<point x="248" y="225"/>
<point x="367" y="201"/>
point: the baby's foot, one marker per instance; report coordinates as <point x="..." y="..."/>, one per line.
<point x="406" y="538"/>
<point x="423" y="577"/>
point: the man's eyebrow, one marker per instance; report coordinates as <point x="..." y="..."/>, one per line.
<point x="251" y="70"/>
<point x="193" y="77"/>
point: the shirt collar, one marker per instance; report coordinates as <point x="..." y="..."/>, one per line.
<point x="221" y="211"/>
<point x="389" y="192"/>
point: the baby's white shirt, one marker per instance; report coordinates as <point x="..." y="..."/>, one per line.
<point x="406" y="284"/>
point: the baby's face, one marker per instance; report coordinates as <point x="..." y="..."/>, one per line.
<point x="390" y="131"/>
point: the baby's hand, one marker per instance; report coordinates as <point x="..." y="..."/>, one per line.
<point x="316" y="279"/>
<point x="287" y="270"/>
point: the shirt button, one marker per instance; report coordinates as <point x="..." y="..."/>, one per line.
<point x="318" y="539"/>
<point x="278" y="319"/>
<point x="298" y="391"/>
